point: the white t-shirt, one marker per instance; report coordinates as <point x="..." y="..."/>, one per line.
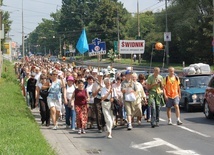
<point x="69" y="91"/>
<point x="40" y="87"/>
<point x="104" y="91"/>
<point x="96" y="86"/>
<point x="89" y="90"/>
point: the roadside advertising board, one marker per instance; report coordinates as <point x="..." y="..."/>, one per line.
<point x="132" y="46"/>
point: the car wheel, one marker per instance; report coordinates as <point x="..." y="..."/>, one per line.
<point x="207" y="112"/>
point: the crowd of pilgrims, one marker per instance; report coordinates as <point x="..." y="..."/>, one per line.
<point x="84" y="96"/>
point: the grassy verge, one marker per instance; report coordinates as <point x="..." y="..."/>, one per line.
<point x="19" y="132"/>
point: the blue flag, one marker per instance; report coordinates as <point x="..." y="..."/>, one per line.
<point x="82" y="44"/>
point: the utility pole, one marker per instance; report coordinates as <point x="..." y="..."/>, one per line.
<point x="1" y="57"/>
<point x="213" y="31"/>
<point x="23" y="44"/>
<point x="138" y="27"/>
<point x="167" y="42"/>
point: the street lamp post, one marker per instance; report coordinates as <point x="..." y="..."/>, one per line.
<point x="138" y="27"/>
<point x="167" y="42"/>
<point x="23" y="44"/>
<point x="213" y="31"/>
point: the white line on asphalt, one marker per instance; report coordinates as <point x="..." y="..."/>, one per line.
<point x="193" y="131"/>
<point x="160" y="142"/>
<point x="163" y="120"/>
<point x="185" y="128"/>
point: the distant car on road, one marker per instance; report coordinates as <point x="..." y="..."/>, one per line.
<point x="39" y="54"/>
<point x="20" y="57"/>
<point x="53" y="59"/>
<point x="208" y="104"/>
<point x="192" y="90"/>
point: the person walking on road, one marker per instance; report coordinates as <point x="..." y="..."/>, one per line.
<point x="107" y="97"/>
<point x="128" y="88"/>
<point x="172" y="94"/>
<point x="154" y="85"/>
<point x="96" y="92"/>
<point x="70" y="117"/>
<point x="81" y="97"/>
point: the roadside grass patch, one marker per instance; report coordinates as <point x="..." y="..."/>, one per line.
<point x="19" y="132"/>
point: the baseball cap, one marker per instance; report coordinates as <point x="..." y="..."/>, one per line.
<point x="128" y="72"/>
<point x="100" y="73"/>
<point x="70" y="78"/>
<point x="95" y="70"/>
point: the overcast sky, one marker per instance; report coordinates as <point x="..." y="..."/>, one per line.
<point x="35" y="10"/>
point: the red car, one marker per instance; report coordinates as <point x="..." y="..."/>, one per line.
<point x="209" y="100"/>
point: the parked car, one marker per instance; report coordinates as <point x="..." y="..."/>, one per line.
<point x="208" y="104"/>
<point x="192" y="90"/>
<point x="53" y="59"/>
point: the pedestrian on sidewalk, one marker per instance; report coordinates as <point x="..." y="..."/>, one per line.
<point x="81" y="97"/>
<point x="31" y="89"/>
<point x="172" y="94"/>
<point x="70" y="114"/>
<point x="42" y="88"/>
<point x="54" y="98"/>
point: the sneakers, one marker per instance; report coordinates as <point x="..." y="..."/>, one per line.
<point x="100" y="131"/>
<point x="79" y="131"/>
<point x="179" y="122"/>
<point x="169" y="122"/>
<point x="109" y="137"/>
<point x="129" y="126"/>
<point x="67" y="126"/>
<point x="157" y="124"/>
<point x="55" y="127"/>
<point x="73" y="129"/>
<point x="83" y="131"/>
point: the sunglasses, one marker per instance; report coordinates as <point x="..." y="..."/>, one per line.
<point x="54" y="74"/>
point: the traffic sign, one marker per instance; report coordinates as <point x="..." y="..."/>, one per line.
<point x="97" y="47"/>
<point x="167" y="36"/>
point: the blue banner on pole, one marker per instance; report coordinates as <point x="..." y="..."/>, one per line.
<point x="82" y="44"/>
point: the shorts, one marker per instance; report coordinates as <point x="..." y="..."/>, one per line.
<point x="54" y="103"/>
<point x="171" y="102"/>
<point x="128" y="107"/>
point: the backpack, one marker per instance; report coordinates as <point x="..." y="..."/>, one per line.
<point x="176" y="78"/>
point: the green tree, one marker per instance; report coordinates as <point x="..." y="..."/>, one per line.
<point x="105" y="22"/>
<point x="190" y="23"/>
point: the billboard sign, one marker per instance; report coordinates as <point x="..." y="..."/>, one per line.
<point x="97" y="47"/>
<point x="132" y="46"/>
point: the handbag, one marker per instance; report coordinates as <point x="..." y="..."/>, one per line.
<point x="44" y="93"/>
<point x="130" y="97"/>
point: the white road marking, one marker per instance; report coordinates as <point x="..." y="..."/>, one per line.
<point x="193" y="131"/>
<point x="185" y="128"/>
<point x="163" y="120"/>
<point x="159" y="142"/>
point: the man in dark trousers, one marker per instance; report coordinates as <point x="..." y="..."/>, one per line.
<point x="31" y="88"/>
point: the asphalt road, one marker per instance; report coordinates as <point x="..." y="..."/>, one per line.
<point x="194" y="137"/>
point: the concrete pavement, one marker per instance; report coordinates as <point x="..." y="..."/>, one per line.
<point x="61" y="140"/>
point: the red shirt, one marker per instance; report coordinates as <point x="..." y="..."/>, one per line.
<point x="80" y="97"/>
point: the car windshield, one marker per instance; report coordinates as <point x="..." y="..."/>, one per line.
<point x="197" y="81"/>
